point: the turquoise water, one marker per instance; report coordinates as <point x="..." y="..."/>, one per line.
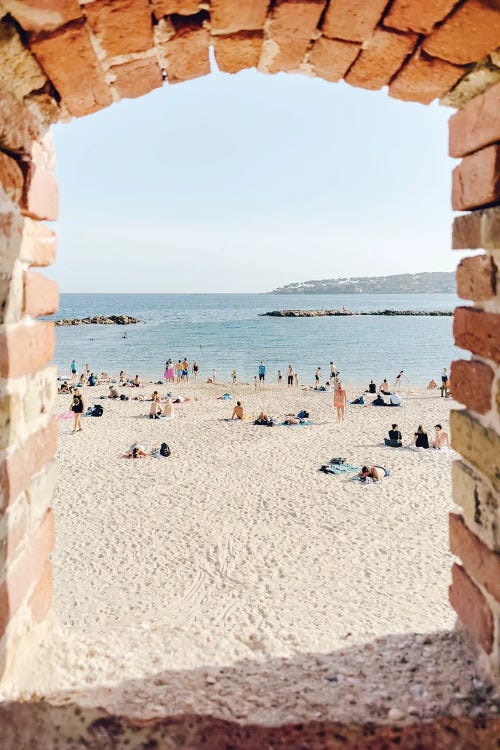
<point x="223" y="331"/>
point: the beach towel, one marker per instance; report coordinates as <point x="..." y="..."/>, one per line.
<point x="224" y="397"/>
<point x="301" y="424"/>
<point x="339" y="468"/>
<point x="65" y="415"/>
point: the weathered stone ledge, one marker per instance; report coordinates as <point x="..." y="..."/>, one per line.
<point x="103" y="320"/>
<point x="346" y="313"/>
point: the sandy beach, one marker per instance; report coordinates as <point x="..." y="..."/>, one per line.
<point x="236" y="546"/>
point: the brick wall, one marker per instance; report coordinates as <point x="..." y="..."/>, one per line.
<point x="475" y="381"/>
<point x="28" y="195"/>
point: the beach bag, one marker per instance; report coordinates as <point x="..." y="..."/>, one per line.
<point x="303" y="414"/>
<point x="165" y="450"/>
<point x="123" y="397"/>
<point x="97" y="411"/>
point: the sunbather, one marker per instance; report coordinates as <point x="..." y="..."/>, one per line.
<point x="136" y="452"/>
<point x="238" y="412"/>
<point x="375" y="473"/>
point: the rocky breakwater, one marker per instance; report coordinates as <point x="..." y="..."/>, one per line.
<point x="102" y="320"/>
<point x="346" y="313"/>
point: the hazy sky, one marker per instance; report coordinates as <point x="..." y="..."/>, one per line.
<point x="243" y="183"/>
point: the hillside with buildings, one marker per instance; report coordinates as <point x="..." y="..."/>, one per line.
<point x="403" y="283"/>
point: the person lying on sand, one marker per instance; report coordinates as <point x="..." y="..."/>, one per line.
<point x="136" y="452"/>
<point x="238" y="412"/>
<point x="263" y="419"/>
<point x="441" y="439"/>
<point x="376" y="473"/>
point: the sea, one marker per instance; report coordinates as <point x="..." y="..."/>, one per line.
<point x="225" y="331"/>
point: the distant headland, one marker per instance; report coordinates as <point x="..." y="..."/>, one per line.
<point x="436" y="282"/>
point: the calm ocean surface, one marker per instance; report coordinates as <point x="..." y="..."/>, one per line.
<point x="223" y="331"/>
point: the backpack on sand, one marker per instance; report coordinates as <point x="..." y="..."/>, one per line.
<point x="97" y="411"/>
<point x="165" y="450"/>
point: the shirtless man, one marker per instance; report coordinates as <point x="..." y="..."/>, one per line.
<point x="372" y="472"/>
<point x="441" y="439"/>
<point x="317" y="375"/>
<point x="185" y="370"/>
<point x="384" y="388"/>
<point x="238" y="411"/>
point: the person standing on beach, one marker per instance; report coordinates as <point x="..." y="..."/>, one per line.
<point x="73" y="371"/>
<point x="333" y="372"/>
<point x="340" y="400"/>
<point x="178" y="372"/>
<point x="233" y="376"/>
<point x="196" y="369"/>
<point x="444" y="380"/>
<point x="399" y="377"/>
<point x="289" y="375"/>
<point x="185" y="370"/>
<point x="77" y="407"/>
<point x="255" y="382"/>
<point x="262" y="372"/>
<point x="296" y="378"/>
<point x="317" y="375"/>
<point x="213" y="376"/>
<point x="280" y="376"/>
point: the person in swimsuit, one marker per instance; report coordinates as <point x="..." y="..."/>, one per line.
<point x="280" y="376"/>
<point x="289" y="375"/>
<point x="233" y="376"/>
<point x="296" y="379"/>
<point x="77" y="407"/>
<point x="397" y="384"/>
<point x="136" y="381"/>
<point x="113" y="392"/>
<point x="196" y="369"/>
<point x="317" y="375"/>
<point x="441" y="439"/>
<point x="185" y="370"/>
<point x="155" y="411"/>
<point x="136" y="452"/>
<point x="384" y="388"/>
<point x="238" y="412"/>
<point x="168" y="409"/>
<point x="431" y="385"/>
<point x="340" y="400"/>
<point x="373" y="472"/>
<point x="333" y="371"/>
<point x="73" y="371"/>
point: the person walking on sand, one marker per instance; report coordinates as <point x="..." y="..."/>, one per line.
<point x="340" y="400"/>
<point x="397" y="383"/>
<point x="280" y="376"/>
<point x="196" y="369"/>
<point x="233" y="376"/>
<point x="289" y="375"/>
<point x="262" y="372"/>
<point x="77" y="407"/>
<point x="73" y="371"/>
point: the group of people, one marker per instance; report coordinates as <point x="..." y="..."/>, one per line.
<point x="420" y="438"/>
<point x="178" y="372"/>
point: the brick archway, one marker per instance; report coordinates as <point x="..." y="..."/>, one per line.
<point x="62" y="59"/>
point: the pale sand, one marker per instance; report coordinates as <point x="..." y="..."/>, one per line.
<point x="237" y="547"/>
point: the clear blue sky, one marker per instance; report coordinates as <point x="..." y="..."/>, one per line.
<point x="243" y="183"/>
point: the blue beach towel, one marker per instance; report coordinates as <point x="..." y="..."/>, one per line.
<point x="301" y="424"/>
<point x="339" y="469"/>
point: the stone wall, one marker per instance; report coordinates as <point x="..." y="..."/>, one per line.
<point x="475" y="534"/>
<point x="64" y="58"/>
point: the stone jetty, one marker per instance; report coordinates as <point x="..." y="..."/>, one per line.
<point x="102" y="320"/>
<point x="346" y="313"/>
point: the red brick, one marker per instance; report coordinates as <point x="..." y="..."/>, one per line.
<point x="414" y="15"/>
<point x="26" y="571"/>
<point x="70" y="62"/>
<point x="162" y="8"/>
<point x="471" y="384"/>
<point x="11" y="177"/>
<point x="39" y="244"/>
<point x="479" y="229"/>
<point x="41" y="597"/>
<point x="423" y="79"/>
<point x="477" y="331"/>
<point x="292" y="28"/>
<point x="226" y="16"/>
<point x="122" y="26"/>
<point x="352" y="20"/>
<point x="476" y="180"/>
<point x="41" y="194"/>
<point x="16" y="533"/>
<point x="480" y="562"/>
<point x="381" y="57"/>
<point x="187" y="53"/>
<point x="472" y="608"/>
<point x="468" y="35"/>
<point x="477" y="278"/>
<point x="24" y="349"/>
<point x="40" y="15"/>
<point x="477" y="124"/>
<point x="238" y="51"/>
<point x="136" y="78"/>
<point x="17" y="470"/>
<point x="331" y="59"/>
<point x="41" y="295"/>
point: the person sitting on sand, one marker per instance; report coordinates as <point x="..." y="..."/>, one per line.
<point x="375" y="473"/>
<point x="379" y="401"/>
<point x="64" y="387"/>
<point x="441" y="439"/>
<point x="421" y="438"/>
<point x="155" y="410"/>
<point x="113" y="392"/>
<point x="83" y="379"/>
<point x="291" y="419"/>
<point x="238" y="412"/>
<point x="385" y="388"/>
<point x="431" y="385"/>
<point x="263" y="419"/>
<point x="135" y="452"/>
<point x="168" y="408"/>
<point x="372" y="388"/>
<point x="136" y="381"/>
<point x="360" y="400"/>
<point x="395" y="439"/>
